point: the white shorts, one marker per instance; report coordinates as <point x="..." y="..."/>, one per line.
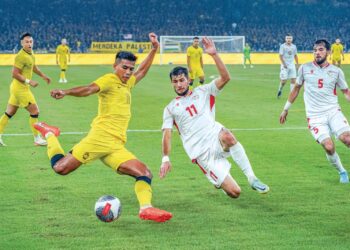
<point x="213" y="162"/>
<point x="332" y="123"/>
<point x="288" y="73"/>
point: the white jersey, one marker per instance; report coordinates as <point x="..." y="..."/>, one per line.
<point x="320" y="85"/>
<point x="194" y="117"/>
<point x="288" y="52"/>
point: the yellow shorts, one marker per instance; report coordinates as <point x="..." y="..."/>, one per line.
<point x="63" y="65"/>
<point x="21" y="98"/>
<point x="336" y="59"/>
<point x="110" y="151"/>
<point x="196" y="72"/>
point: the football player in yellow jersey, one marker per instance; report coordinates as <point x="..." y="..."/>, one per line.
<point x="62" y="59"/>
<point x="195" y="62"/>
<point x="20" y="94"/>
<point x="107" y="136"/>
<point x="337" y="50"/>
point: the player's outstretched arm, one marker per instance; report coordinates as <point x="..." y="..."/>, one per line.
<point x="146" y="64"/>
<point x="224" y="74"/>
<point x="292" y="96"/>
<point x="41" y="74"/>
<point x="81" y="91"/>
<point x="166" y="148"/>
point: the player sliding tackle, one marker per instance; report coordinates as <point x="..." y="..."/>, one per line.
<point x="207" y="142"/>
<point x="107" y="136"/>
<point x="323" y="112"/>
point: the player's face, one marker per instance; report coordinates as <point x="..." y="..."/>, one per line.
<point x="180" y="84"/>
<point x="195" y="43"/>
<point x="320" y="54"/>
<point x="124" y="69"/>
<point x="337" y="41"/>
<point x="27" y="43"/>
<point x="289" y="39"/>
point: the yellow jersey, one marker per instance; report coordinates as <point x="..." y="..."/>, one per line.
<point x="337" y="49"/>
<point x="62" y="52"/>
<point x="114" y="106"/>
<point x="195" y="55"/>
<point x="24" y="61"/>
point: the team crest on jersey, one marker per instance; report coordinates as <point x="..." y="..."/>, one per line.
<point x="195" y="97"/>
<point x="86" y="155"/>
<point x="311" y="71"/>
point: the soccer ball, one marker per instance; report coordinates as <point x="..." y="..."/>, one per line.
<point x="108" y="208"/>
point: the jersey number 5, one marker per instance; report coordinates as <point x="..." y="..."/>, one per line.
<point x="320" y="83"/>
<point x="190" y="109"/>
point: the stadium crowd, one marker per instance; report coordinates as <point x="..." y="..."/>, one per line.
<point x="264" y="23"/>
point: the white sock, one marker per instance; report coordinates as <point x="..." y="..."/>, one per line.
<point x="292" y="86"/>
<point x="335" y="161"/>
<point x="241" y="159"/>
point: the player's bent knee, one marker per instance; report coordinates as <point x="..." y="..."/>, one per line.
<point x="228" y="139"/>
<point x="233" y="192"/>
<point x="347" y="141"/>
<point x="147" y="173"/>
<point x="329" y="147"/>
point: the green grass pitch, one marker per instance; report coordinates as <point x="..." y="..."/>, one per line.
<point x="306" y="208"/>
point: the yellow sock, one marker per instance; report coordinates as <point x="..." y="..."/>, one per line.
<point x="33" y="120"/>
<point x="54" y="149"/>
<point x="3" y="122"/>
<point x="62" y="75"/>
<point x="143" y="192"/>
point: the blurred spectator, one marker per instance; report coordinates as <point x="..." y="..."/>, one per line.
<point x="264" y="23"/>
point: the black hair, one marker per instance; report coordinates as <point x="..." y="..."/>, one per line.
<point x="196" y="37"/>
<point x="288" y="34"/>
<point x="323" y="42"/>
<point x="178" y="71"/>
<point x="125" y="55"/>
<point x="25" y="35"/>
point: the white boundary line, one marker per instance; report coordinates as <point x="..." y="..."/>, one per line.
<point x="159" y="130"/>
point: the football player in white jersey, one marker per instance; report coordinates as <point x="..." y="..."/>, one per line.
<point x="324" y="116"/>
<point x="287" y="54"/>
<point x="207" y="142"/>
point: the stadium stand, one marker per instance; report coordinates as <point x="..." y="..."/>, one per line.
<point x="260" y="21"/>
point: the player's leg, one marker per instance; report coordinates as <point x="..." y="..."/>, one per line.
<point x="341" y="129"/>
<point x="334" y="159"/>
<point x="320" y="130"/>
<point x="244" y="62"/>
<point x="192" y="78"/>
<point x="125" y="163"/>
<point x="63" y="71"/>
<point x="201" y="76"/>
<point x="230" y="144"/>
<point x="250" y="62"/>
<point x="292" y="75"/>
<point x="10" y="111"/>
<point x="230" y="187"/>
<point x="33" y="110"/>
<point x="60" y="163"/>
<point x="292" y="83"/>
<point x="283" y="80"/>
